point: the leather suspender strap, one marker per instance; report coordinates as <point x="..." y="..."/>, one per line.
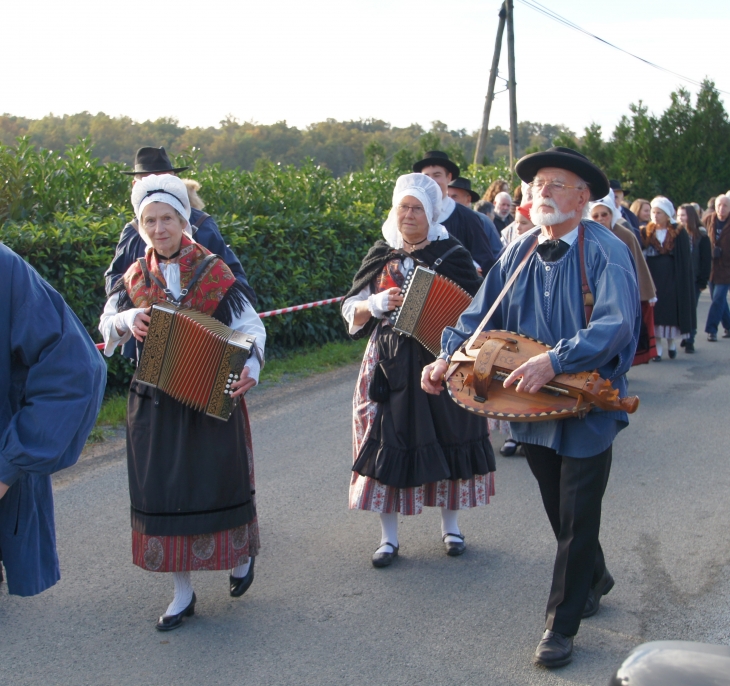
<point x="588" y="301"/>
<point x="446" y="254"/>
<point x="500" y="297"/>
<point x="146" y="273"/>
<point x="149" y="277"/>
<point x="198" y="222"/>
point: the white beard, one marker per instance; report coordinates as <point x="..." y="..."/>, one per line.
<point x="541" y="218"/>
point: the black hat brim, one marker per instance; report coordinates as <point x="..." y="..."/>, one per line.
<point x="448" y="165"/>
<point x="155" y="171"/>
<point x="529" y="165"/>
<point x="474" y="196"/>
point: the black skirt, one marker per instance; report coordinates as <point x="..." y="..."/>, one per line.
<point x="188" y="473"/>
<point x="418" y="438"/>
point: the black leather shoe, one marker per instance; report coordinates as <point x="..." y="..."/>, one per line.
<point x="594" y="596"/>
<point x="672" y="354"/>
<point x="385" y="559"/>
<point x="554" y="649"/>
<point x="509" y="448"/>
<point x="689" y="347"/>
<point x="656" y="358"/>
<point x="170" y="622"/>
<point x="712" y="337"/>
<point x="239" y="585"/>
<point x="726" y="334"/>
<point x="454" y="548"/>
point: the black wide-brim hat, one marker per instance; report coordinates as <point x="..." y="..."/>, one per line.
<point x="616" y="186"/>
<point x="436" y="158"/>
<point x="153" y="161"/>
<point x="465" y="185"/>
<point x="564" y="158"/>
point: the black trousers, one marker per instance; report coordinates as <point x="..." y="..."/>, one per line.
<point x="572" y="492"/>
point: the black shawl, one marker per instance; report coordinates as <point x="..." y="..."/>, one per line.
<point x="458" y="267"/>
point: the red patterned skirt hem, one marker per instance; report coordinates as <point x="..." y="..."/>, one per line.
<point x="205" y="552"/>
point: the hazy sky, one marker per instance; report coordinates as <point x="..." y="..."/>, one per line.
<point x="397" y="60"/>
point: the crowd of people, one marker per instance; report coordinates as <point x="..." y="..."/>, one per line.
<point x="562" y="259"/>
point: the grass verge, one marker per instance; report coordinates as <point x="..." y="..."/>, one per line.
<point x="296" y="365"/>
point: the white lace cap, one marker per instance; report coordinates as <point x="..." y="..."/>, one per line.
<point x="665" y="204"/>
<point x="166" y="188"/>
<point x="610" y="202"/>
<point x="428" y="192"/>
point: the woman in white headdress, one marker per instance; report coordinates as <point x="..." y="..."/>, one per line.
<point x="604" y="211"/>
<point x="191" y="480"/>
<point x="411" y="449"/>
<point x="667" y="250"/>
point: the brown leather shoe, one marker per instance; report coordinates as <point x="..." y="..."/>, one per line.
<point x="554" y="650"/>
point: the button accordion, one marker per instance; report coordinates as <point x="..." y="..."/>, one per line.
<point x="431" y="303"/>
<point x="194" y="358"/>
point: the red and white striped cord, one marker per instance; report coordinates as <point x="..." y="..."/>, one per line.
<point x="283" y="310"/>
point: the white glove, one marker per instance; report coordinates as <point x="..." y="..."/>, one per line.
<point x="378" y="304"/>
<point x="125" y="320"/>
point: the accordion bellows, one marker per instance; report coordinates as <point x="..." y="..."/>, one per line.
<point x="194" y="358"/>
<point x="431" y="303"/>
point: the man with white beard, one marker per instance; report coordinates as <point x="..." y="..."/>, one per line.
<point x="502" y="208"/>
<point x="575" y="271"/>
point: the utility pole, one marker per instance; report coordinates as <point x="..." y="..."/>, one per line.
<point x="482" y="141"/>
<point x="512" y="85"/>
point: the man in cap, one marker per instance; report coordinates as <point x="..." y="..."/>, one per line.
<point x="461" y="222"/>
<point x="460" y="192"/>
<point x="154" y="161"/>
<point x="570" y="458"/>
<point x="52" y="382"/>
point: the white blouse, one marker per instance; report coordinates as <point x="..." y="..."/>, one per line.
<point x="112" y="322"/>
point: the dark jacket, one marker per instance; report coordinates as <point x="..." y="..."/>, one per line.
<point x="466" y="226"/>
<point x="720" y="265"/>
<point x="502" y="224"/>
<point x="702" y="260"/>
<point x="51" y="385"/>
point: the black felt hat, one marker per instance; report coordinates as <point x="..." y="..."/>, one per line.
<point x="616" y="186"/>
<point x="465" y="185"/>
<point x="153" y="161"/>
<point x="564" y="158"/>
<point x="436" y="158"/>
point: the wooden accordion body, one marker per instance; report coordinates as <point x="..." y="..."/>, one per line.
<point x="431" y="303"/>
<point x="193" y="358"/>
<point x="475" y="382"/>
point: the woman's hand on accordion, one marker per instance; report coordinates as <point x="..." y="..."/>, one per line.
<point x="141" y="324"/>
<point x="245" y="383"/>
<point x="432" y="376"/>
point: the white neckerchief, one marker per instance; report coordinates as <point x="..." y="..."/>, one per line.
<point x="661" y="235"/>
<point x="569" y="237"/>
<point x="447" y="208"/>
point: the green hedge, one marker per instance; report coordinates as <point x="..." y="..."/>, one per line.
<point x="300" y="233"/>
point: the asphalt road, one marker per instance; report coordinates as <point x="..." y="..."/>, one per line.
<point x="318" y="612"/>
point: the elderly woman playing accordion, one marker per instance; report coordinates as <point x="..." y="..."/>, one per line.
<point x="411" y="449"/>
<point x="191" y="479"/>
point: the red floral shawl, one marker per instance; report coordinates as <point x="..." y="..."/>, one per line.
<point x="208" y="290"/>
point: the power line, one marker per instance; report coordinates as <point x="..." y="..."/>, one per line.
<point x="542" y="9"/>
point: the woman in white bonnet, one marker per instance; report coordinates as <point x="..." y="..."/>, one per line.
<point x="411" y="449"/>
<point x="667" y="250"/>
<point x="191" y="478"/>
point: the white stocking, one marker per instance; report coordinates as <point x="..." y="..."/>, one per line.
<point x="183" y="593"/>
<point x="670" y="344"/>
<point x="659" y="347"/>
<point x="389" y="532"/>
<point x="241" y="571"/>
<point x="450" y="525"/>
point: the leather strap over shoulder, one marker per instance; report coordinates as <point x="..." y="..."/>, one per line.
<point x="588" y="301"/>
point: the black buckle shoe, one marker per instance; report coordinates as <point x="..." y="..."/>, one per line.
<point x="239" y="585"/>
<point x="454" y="548"/>
<point x="509" y="448"/>
<point x="602" y="588"/>
<point x="170" y="622"/>
<point x="385" y="559"/>
<point x="554" y="650"/>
